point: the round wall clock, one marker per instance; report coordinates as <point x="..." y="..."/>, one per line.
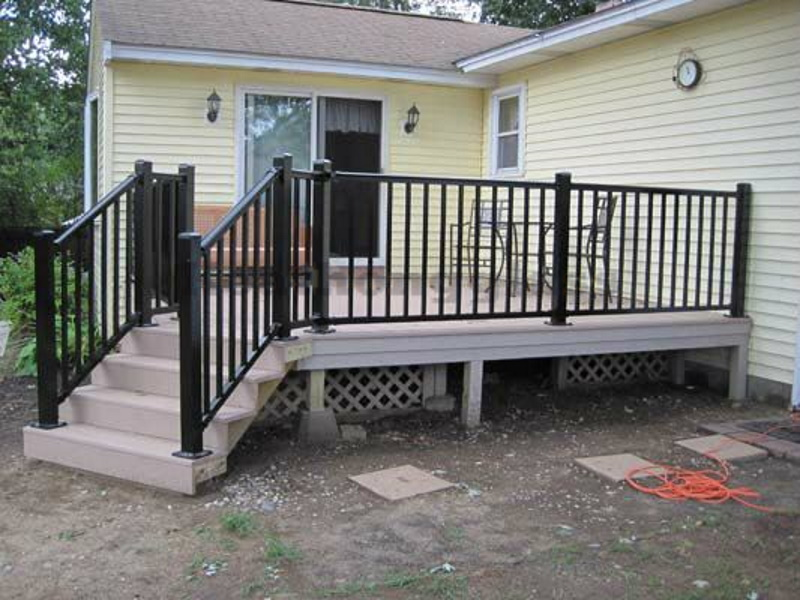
<point x="689" y="73"/>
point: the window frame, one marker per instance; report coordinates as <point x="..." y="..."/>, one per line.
<point x="518" y="92"/>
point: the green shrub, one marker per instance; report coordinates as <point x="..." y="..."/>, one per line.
<point x="18" y="307"/>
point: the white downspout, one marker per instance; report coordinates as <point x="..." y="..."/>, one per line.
<point x="796" y="385"/>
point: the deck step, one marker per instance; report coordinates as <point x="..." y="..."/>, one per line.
<point x="161" y="376"/>
<point x="163" y="341"/>
<point x="124" y="455"/>
<point x="150" y="414"/>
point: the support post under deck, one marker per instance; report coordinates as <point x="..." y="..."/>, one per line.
<point x="318" y="423"/>
<point x="472" y="395"/>
<point x="737" y="372"/>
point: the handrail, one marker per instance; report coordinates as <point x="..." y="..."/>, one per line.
<point x="253" y="317"/>
<point x="93" y="280"/>
<point x="465" y="181"/>
<point x="224" y="225"/>
<point x="125" y="185"/>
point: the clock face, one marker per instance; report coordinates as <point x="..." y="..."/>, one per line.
<point x="689" y="73"/>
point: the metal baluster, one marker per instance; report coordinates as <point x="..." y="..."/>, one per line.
<point x="621" y="267"/>
<point x="723" y="250"/>
<point x="712" y="250"/>
<point x="244" y="331"/>
<point x="526" y="211"/>
<point x="699" y="260"/>
<point x="407" y="250"/>
<point x="388" y="270"/>
<point x="424" y="257"/>
<point x="578" y="251"/>
<point x="442" y="243"/>
<point x="635" y="266"/>
<point x="674" y="272"/>
<point x="687" y="250"/>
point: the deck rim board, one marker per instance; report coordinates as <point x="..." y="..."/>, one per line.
<point x="431" y="343"/>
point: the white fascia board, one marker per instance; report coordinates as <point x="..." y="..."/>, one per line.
<point x="212" y="58"/>
<point x="635" y="18"/>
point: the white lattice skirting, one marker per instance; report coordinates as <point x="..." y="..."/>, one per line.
<point x="352" y="390"/>
<point x="617" y="368"/>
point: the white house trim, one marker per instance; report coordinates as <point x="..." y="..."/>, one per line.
<point x="215" y="58"/>
<point x="796" y="385"/>
<point x="89" y="168"/>
<point x="314" y="94"/>
<point x="517" y="91"/>
<point x="600" y="28"/>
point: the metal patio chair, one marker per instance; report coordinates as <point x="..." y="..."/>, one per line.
<point x="478" y="238"/>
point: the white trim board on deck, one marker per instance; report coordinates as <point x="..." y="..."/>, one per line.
<point x="506" y="339"/>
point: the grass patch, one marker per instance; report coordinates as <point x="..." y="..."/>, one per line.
<point x="241" y="524"/>
<point x="566" y="554"/>
<point x="70" y="535"/>
<point x="439" y="586"/>
<point x="276" y="550"/>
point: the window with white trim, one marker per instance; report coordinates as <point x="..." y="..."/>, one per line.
<point x="507" y="131"/>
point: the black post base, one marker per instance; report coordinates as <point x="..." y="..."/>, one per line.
<point x="553" y="323"/>
<point x="47" y="426"/>
<point x="191" y="455"/>
<point x="320" y="326"/>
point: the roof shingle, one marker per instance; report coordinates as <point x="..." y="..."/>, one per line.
<point x="299" y="29"/>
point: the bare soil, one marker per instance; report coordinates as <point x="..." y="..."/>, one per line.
<point x="525" y="522"/>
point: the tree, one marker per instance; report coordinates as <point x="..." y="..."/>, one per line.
<point x="42" y="87"/>
<point x="534" y="14"/>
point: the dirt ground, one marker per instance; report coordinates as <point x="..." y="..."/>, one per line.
<point x="524" y="522"/>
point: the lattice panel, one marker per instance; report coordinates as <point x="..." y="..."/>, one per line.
<point x="291" y="396"/>
<point x="351" y="390"/>
<point x="375" y="388"/>
<point x="617" y="368"/>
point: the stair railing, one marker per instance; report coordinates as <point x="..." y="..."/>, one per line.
<point x="110" y="270"/>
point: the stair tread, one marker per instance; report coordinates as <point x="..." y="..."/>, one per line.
<point x="171" y="365"/>
<point x="154" y="402"/>
<point x="122" y="441"/>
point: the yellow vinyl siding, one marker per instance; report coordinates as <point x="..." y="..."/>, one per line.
<point x="159" y="114"/>
<point x="613" y="115"/>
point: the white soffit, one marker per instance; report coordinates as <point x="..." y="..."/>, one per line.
<point x="614" y="24"/>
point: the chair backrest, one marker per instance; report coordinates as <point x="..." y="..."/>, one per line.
<point x="600" y="227"/>
<point x="485" y="212"/>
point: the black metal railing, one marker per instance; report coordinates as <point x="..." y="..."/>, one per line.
<point x="105" y="274"/>
<point x="322" y="248"/>
<point x="235" y="298"/>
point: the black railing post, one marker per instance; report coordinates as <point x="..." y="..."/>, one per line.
<point x="282" y="237"/>
<point x="190" y="346"/>
<point x="46" y="359"/>
<point x="143" y="243"/>
<point x="185" y="214"/>
<point x="321" y="247"/>
<point x="561" y="249"/>
<point x="744" y="192"/>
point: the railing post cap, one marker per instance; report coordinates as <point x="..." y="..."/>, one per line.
<point x="190" y="236"/>
<point x="142" y="166"/>
<point x="744" y="187"/>
<point x="44" y="234"/>
<point x="564" y="176"/>
<point x="183" y="167"/>
<point x="281" y="160"/>
<point x="323" y="165"/>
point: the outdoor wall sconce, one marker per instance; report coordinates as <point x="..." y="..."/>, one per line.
<point x="412" y="119"/>
<point x="213" y="102"/>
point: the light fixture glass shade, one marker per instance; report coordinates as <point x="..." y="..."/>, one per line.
<point x="213" y="102"/>
<point x="412" y="119"/>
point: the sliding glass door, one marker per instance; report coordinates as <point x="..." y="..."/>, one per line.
<point x="273" y="125"/>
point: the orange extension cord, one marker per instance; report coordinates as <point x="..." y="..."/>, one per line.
<point x="709" y="486"/>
